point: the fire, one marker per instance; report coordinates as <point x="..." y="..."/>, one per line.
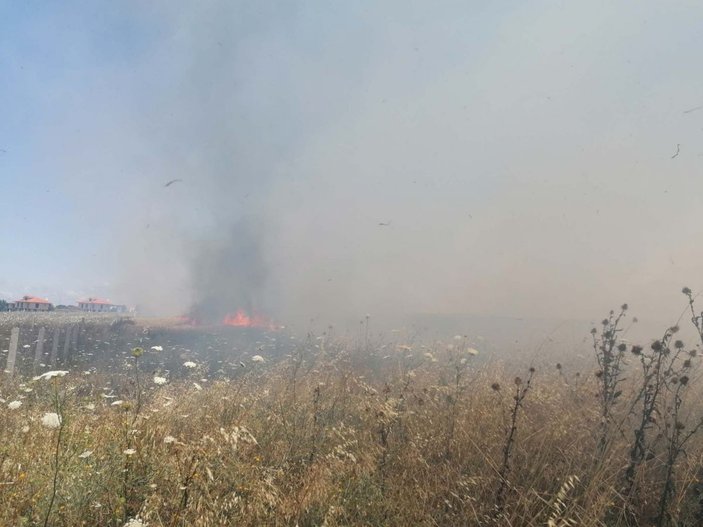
<point x="238" y="319"/>
<point x="241" y="319"/>
<point x="185" y="320"/>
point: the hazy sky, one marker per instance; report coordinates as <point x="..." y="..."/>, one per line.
<point x="521" y="152"/>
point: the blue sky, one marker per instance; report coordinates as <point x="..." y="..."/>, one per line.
<point x="50" y="55"/>
<point x="521" y="150"/>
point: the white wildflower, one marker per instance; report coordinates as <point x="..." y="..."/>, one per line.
<point x="189" y="364"/>
<point x="257" y="358"/>
<point x="90" y="406"/>
<point x="129" y="452"/>
<point x="169" y="439"/>
<point x="160" y="380"/>
<point x="25" y="429"/>
<point x="157" y="348"/>
<point x="197" y="386"/>
<point x="85" y="454"/>
<point x="119" y="402"/>
<point x="26" y="346"/>
<point x="14" y="405"/>
<point x="135" y="522"/>
<point x="51" y="420"/>
<point x="50" y="375"/>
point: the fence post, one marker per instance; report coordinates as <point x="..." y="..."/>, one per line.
<point x="55" y="346"/>
<point x="40" y="348"/>
<point x="12" y="356"/>
<point x="76" y="334"/>
<point x="66" y="345"/>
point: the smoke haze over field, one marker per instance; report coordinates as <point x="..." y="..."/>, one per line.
<point x="337" y="159"/>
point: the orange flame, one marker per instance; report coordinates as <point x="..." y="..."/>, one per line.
<point x="241" y="319"/>
<point x="185" y="320"/>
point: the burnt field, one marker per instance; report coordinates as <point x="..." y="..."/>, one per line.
<point x="95" y="343"/>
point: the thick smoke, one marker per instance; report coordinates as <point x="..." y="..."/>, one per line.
<point x="229" y="273"/>
<point x="379" y="157"/>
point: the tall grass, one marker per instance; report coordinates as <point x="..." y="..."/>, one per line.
<point x="342" y="434"/>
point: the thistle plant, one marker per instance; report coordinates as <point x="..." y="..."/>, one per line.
<point x="696" y="317"/>
<point x="656" y="364"/>
<point x="521" y="390"/>
<point x="609" y="351"/>
<point x="677" y="435"/>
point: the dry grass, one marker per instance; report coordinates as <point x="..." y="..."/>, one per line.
<point x="325" y="436"/>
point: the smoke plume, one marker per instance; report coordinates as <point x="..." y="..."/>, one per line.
<point x="332" y="161"/>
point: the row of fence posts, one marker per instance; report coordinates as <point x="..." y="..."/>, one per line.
<point x="70" y="344"/>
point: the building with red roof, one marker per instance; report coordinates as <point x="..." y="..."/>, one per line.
<point x="100" y="305"/>
<point x="31" y="303"/>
